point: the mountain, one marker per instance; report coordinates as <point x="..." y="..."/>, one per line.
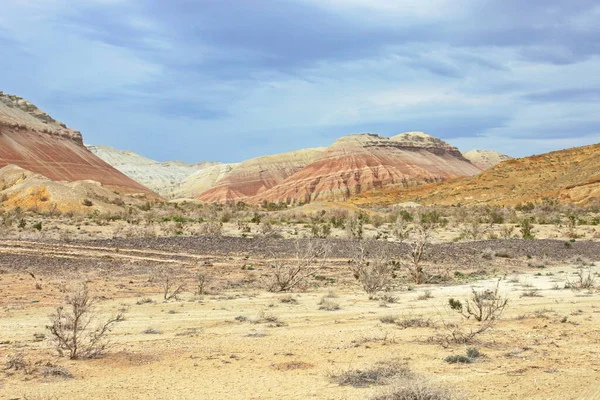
<point x="169" y="178"/>
<point x="352" y="165"/>
<point x="568" y="176"/>
<point x="485" y="159"/>
<point x="361" y="162"/>
<point x="36" y="142"/>
<point x="255" y="176"/>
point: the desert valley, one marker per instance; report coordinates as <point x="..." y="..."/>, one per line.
<point x="381" y="268"/>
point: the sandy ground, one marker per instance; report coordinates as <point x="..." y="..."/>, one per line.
<point x="545" y="347"/>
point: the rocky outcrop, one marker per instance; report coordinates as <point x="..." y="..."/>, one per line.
<point x="358" y="163"/>
<point x="34" y="141"/>
<point x="255" y="176"/>
<point x="485" y="159"/>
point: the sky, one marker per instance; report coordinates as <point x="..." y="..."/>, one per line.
<point x="228" y="80"/>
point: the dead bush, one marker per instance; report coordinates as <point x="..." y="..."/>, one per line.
<point x="401" y="229"/>
<point x="372" y="268"/>
<point x="453" y="334"/>
<point x="18" y="362"/>
<point x="172" y="284"/>
<point x="202" y="281"/>
<point x="289" y="274"/>
<point x="214" y="229"/>
<point x="425" y="226"/>
<point x="483" y="305"/>
<point x="584" y="280"/>
<point x="76" y="326"/>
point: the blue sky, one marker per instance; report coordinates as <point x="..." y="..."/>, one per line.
<point x="229" y="80"/>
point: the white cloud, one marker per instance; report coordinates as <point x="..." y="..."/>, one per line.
<point x="386" y="9"/>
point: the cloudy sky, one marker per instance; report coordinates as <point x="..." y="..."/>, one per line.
<point x="233" y="79"/>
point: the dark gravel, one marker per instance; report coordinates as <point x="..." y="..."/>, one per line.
<point x="465" y="254"/>
<point x="441" y="252"/>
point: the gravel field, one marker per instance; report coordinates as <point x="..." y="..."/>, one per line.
<point x="15" y="255"/>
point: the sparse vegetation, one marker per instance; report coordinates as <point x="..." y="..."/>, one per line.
<point x="427" y="223"/>
<point x="472" y="355"/>
<point x="328" y="304"/>
<point x="454" y="334"/>
<point x="484" y="305"/>
<point x="172" y="285"/>
<point x="584" y="280"/>
<point x="372" y="269"/>
<point x="226" y="278"/>
<point x="76" y="327"/>
<point x="286" y="275"/>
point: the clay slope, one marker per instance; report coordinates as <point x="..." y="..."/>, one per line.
<point x="569" y="176"/>
<point x="202" y="180"/>
<point x="36" y="142"/>
<point x="253" y="177"/>
<point x="485" y="159"/>
<point x="358" y="163"/>
<point x="26" y="190"/>
<point x="171" y="179"/>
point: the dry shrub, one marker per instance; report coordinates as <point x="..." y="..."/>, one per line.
<point x="288" y="299"/>
<point x="414" y="389"/>
<point x="382" y="373"/>
<point x="213" y="229"/>
<point x="372" y="268"/>
<point x="483" y="305"/>
<point x="76" y="327"/>
<point x="415" y="322"/>
<point x="453" y="334"/>
<point x="18" y="362"/>
<point x="410" y="321"/>
<point x="471" y="356"/>
<point x="287" y="275"/>
<point x="265" y="317"/>
<point x="328" y="304"/>
<point x="56" y="371"/>
<point x="172" y="284"/>
<point x="202" y="282"/>
<point x="585" y="280"/>
<point x="426" y="295"/>
<point x="425" y="225"/>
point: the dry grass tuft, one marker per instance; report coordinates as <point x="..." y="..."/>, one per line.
<point x="415" y="389"/>
<point x="380" y="374"/>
